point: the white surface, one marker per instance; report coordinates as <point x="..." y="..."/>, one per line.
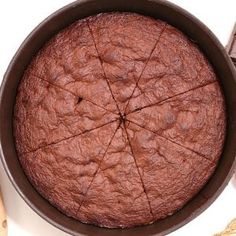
<point x="17" y="19"/>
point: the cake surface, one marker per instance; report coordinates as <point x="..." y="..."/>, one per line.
<point x="119" y="120"/>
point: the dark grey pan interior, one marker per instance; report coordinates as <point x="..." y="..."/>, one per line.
<point x="157" y="9"/>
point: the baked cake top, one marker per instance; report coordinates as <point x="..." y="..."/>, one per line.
<point x="119" y="120"/>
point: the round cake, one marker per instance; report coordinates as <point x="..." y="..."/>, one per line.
<point x="119" y="120"/>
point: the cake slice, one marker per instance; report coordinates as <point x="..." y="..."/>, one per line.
<point x="62" y="172"/>
<point x="171" y="174"/>
<point x="116" y="197"/>
<point x="46" y="114"/>
<point x="195" y="120"/>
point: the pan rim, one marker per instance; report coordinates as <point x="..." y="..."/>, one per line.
<point x="28" y="40"/>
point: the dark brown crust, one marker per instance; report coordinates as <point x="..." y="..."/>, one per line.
<point x="70" y="61"/>
<point x="122" y="201"/>
<point x="123" y="50"/>
<point x="179" y="66"/>
<point x="119" y="120"/>
<point x="63" y="171"/>
<point x="195" y="120"/>
<point x="45" y="114"/>
<point x="171" y="175"/>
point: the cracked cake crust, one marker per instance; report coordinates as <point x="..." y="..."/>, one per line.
<point x="119" y="120"/>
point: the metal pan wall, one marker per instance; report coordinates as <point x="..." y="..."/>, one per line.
<point x="59" y="20"/>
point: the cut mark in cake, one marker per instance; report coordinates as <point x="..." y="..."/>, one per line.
<point x="122" y="118"/>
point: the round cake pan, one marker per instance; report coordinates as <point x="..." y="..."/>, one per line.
<point x="64" y="17"/>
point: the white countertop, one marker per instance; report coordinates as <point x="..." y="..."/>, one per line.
<point x="23" y="16"/>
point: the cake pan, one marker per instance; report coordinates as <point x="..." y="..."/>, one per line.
<point x="163" y="10"/>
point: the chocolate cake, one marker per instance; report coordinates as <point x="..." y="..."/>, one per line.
<point x="119" y="120"/>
